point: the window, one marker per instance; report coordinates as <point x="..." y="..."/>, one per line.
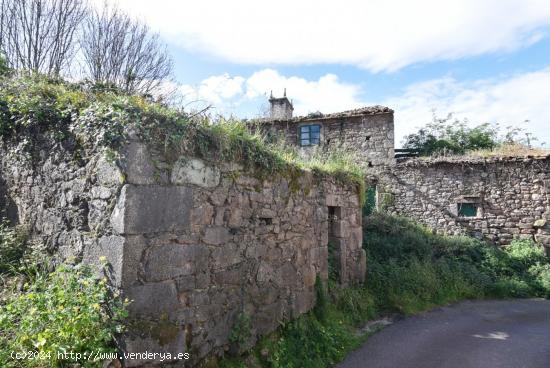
<point x="310" y="135"/>
<point x="468" y="209"/>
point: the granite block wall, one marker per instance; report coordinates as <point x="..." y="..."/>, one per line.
<point x="209" y="243"/>
<point x="193" y="244"/>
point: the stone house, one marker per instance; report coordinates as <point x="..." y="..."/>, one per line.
<point x="495" y="199"/>
<point x="367" y="131"/>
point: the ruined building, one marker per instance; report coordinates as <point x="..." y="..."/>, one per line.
<point x="367" y="132"/>
<point x="496" y="199"/>
<point x="196" y="243"/>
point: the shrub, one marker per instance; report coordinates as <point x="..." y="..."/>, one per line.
<point x="541" y="274"/>
<point x="68" y="310"/>
<point x="310" y="343"/>
<point x="410" y="268"/>
<point x="524" y="254"/>
<point x="321" y="305"/>
<point x="355" y="303"/>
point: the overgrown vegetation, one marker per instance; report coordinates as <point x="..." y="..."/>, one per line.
<point x="65" y="311"/>
<point x="450" y="136"/>
<point x="240" y="332"/>
<point x="410" y="269"/>
<point x="90" y="116"/>
<point x="46" y="314"/>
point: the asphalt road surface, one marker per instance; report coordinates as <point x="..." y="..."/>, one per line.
<point x="481" y="334"/>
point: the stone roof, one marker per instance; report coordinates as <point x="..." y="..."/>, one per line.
<point x="367" y="110"/>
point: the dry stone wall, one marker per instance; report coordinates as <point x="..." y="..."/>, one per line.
<point x="511" y="196"/>
<point x="194" y="245"/>
<point x="62" y="200"/>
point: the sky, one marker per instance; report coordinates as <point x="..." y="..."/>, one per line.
<point x="487" y="61"/>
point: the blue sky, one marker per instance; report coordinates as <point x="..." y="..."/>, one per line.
<point x="484" y="60"/>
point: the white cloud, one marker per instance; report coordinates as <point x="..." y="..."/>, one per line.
<point x="226" y="93"/>
<point x="508" y="101"/>
<point x="327" y="94"/>
<point x="221" y="91"/>
<point x="374" y="34"/>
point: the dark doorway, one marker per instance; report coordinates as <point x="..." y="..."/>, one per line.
<point x="335" y="244"/>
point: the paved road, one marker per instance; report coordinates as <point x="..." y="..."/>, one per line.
<point x="483" y="334"/>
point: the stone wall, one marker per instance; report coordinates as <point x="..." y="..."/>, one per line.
<point x="211" y="242"/>
<point x="367" y="132"/>
<point x="62" y="200"/>
<point x="512" y="196"/>
<point x="193" y="244"/>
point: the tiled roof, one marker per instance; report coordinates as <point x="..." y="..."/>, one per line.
<point x="368" y="110"/>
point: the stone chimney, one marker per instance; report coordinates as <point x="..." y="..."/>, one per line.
<point x="281" y="107"/>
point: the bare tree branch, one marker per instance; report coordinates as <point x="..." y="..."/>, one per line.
<point x="40" y="35"/>
<point x="122" y="52"/>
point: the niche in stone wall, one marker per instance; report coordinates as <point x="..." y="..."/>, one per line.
<point x="467" y="207"/>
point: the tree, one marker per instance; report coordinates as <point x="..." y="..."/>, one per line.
<point x="122" y="52"/>
<point x="451" y="136"/>
<point x="40" y="35"/>
<point x="4" y="23"/>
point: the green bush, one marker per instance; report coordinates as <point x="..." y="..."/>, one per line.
<point x="410" y="268"/>
<point x="68" y="310"/>
<point x="310" y="343"/>
<point x="355" y="303"/>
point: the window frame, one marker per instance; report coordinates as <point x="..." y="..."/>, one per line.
<point x="309" y="141"/>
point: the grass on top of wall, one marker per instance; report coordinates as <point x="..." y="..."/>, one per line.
<point x="511" y="150"/>
<point x="409" y="270"/>
<point x="93" y="116"/>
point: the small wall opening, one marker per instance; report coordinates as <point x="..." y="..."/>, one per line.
<point x="468" y="209"/>
<point x="334" y="215"/>
<point x="266" y="221"/>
